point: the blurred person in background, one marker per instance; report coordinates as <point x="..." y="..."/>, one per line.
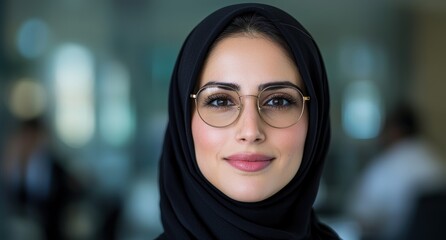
<point x="406" y="168"/>
<point x="37" y="187"/>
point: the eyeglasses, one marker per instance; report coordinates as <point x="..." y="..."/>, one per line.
<point x="279" y="106"/>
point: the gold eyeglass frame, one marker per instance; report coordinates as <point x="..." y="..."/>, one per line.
<point x="240" y="106"/>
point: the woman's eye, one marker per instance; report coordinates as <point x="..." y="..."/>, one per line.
<point x="219" y="101"/>
<point x="278" y="102"/>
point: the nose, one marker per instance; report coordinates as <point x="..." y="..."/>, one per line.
<point x="249" y="124"/>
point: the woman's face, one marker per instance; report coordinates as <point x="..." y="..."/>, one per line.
<point x="249" y="160"/>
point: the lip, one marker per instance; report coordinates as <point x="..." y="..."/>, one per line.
<point x="249" y="162"/>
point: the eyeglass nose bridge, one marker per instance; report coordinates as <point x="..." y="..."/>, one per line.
<point x="241" y="106"/>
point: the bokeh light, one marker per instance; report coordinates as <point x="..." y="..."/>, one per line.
<point x="74" y="94"/>
<point x="27" y="99"/>
<point x="32" y="38"/>
<point x="362" y="110"/>
<point x="116" y="118"/>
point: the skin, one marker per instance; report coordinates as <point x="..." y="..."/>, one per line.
<point x="249" y="61"/>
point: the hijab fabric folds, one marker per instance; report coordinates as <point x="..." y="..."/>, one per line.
<point x="191" y="208"/>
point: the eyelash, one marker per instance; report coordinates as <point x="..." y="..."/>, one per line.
<point x="291" y="101"/>
<point x="212" y="98"/>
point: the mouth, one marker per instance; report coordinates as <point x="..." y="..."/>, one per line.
<point x="248" y="162"/>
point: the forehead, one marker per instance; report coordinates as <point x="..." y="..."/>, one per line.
<point x="249" y="61"/>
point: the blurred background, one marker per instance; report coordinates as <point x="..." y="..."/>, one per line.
<point x="83" y="108"/>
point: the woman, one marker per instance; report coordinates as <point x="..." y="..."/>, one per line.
<point x="248" y="130"/>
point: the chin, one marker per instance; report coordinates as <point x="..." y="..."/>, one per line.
<point x="246" y="194"/>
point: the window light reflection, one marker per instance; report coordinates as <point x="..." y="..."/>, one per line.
<point x="116" y="121"/>
<point x="361" y="110"/>
<point x="74" y="88"/>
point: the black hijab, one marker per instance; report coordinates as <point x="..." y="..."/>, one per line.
<point x="191" y="208"/>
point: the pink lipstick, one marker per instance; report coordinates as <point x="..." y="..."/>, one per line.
<point x="248" y="162"/>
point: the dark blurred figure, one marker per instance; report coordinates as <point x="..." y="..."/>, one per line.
<point x="37" y="188"/>
<point x="428" y="221"/>
<point x="406" y="168"/>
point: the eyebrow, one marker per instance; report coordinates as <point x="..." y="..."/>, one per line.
<point x="282" y="83"/>
<point x="234" y="86"/>
<point x="237" y="87"/>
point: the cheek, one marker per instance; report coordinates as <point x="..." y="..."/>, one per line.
<point x="292" y="141"/>
<point x="207" y="140"/>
